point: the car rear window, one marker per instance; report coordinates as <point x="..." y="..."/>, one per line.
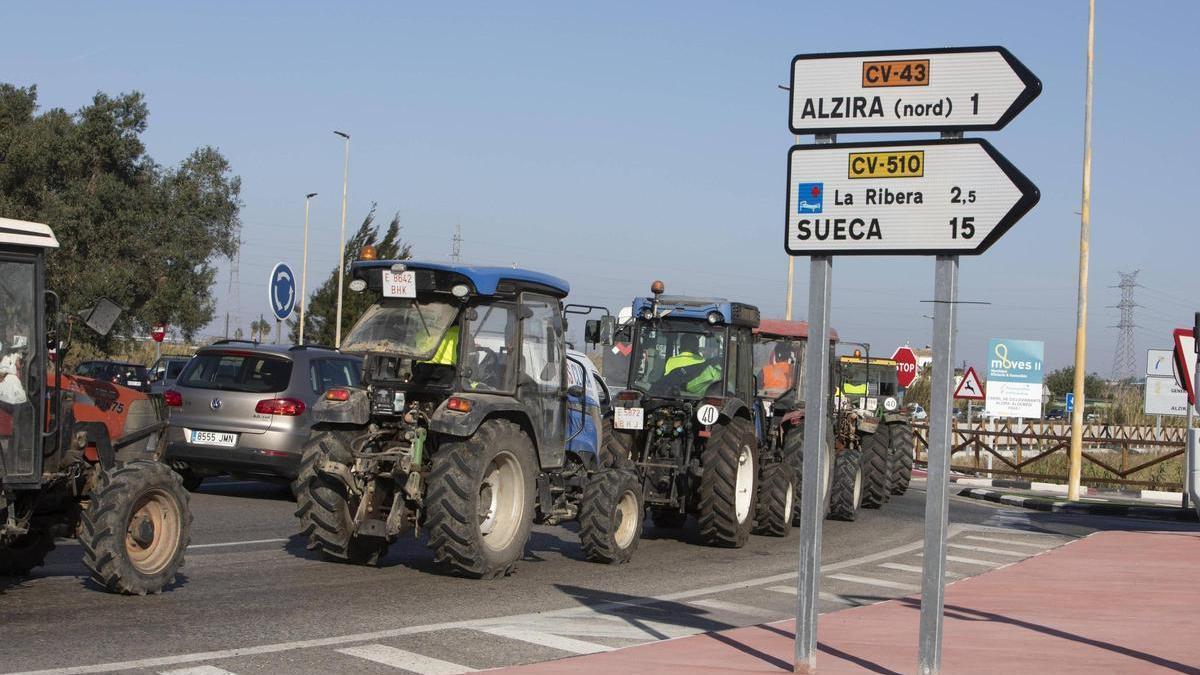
<point x="173" y="368"/>
<point x="230" y="371"/>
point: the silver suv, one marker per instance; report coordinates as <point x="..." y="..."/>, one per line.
<point x="244" y="409"/>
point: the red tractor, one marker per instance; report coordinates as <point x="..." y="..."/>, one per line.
<point x="78" y="457"/>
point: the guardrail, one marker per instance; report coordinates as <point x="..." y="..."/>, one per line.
<point x="1112" y="455"/>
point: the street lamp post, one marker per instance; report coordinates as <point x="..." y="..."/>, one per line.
<point x="337" y="331"/>
<point x="304" y="266"/>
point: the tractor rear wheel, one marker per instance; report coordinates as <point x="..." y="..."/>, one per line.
<point x="847" y="491"/>
<point x="776" y="500"/>
<point x="611" y="515"/>
<point x="793" y="443"/>
<point x="480" y="501"/>
<point x="728" y="480"/>
<point x="24" y="553"/>
<point x="901" y="443"/>
<point x="877" y="468"/>
<point x="326" y="509"/>
<point x="136" y="529"/>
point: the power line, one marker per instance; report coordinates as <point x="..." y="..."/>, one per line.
<point x="1124" y="359"/>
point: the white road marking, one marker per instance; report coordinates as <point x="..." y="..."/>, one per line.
<point x="972" y="561"/>
<point x="824" y="595"/>
<point x="399" y="658"/>
<point x="574" y="611"/>
<point x="238" y="543"/>
<point x="872" y="581"/>
<point x="987" y="549"/>
<point x="734" y="607"/>
<point x="1012" y="542"/>
<point x="551" y="640"/>
<point x="912" y="568"/>
<point x="790" y="590"/>
<point x="197" y="670"/>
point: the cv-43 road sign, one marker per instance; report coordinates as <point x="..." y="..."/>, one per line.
<point x="955" y="89"/>
<point x="939" y="197"/>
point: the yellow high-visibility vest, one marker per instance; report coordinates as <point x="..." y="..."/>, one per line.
<point x="447" y="351"/>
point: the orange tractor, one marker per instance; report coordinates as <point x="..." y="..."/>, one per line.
<point x="78" y="457"/>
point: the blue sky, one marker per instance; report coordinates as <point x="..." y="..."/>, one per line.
<point x="615" y="143"/>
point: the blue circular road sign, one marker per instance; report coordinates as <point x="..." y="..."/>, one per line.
<point x="282" y="289"/>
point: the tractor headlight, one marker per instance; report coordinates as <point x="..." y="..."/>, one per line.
<point x="358" y="285"/>
<point x="460" y="290"/>
<point x="646" y="314"/>
<point x="714" y="318"/>
<point x="890" y="404"/>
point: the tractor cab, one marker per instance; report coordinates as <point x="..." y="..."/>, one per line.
<point x="23" y="346"/>
<point x="868" y="385"/>
<point x="455" y="344"/>
<point x="779" y="352"/>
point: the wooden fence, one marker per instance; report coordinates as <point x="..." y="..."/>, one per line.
<point x="1112" y="455"/>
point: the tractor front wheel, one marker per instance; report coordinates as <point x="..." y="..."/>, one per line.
<point x="610" y="518"/>
<point x="846" y="492"/>
<point x="480" y="501"/>
<point x="793" y="445"/>
<point x="776" y="500"/>
<point x="728" y="481"/>
<point x="901" y="435"/>
<point x="326" y="508"/>
<point x="136" y="528"/>
<point x="877" y="469"/>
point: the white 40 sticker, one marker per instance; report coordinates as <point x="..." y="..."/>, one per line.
<point x="707" y="414"/>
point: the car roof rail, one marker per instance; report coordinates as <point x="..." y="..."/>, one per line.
<point x="311" y="345"/>
<point x="227" y="341"/>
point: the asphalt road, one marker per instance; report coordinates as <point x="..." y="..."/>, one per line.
<point x="251" y="598"/>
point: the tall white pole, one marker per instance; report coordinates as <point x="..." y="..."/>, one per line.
<point x="337" y="331"/>
<point x="1085" y="233"/>
<point x="304" y="266"/>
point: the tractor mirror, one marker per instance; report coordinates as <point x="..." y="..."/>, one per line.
<point x="591" y="331"/>
<point x="101" y="317"/>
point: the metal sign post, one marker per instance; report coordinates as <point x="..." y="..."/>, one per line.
<point x="816" y="430"/>
<point x="937" y="499"/>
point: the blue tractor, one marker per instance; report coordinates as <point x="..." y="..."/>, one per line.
<point x="466" y="426"/>
<point x="686" y="421"/>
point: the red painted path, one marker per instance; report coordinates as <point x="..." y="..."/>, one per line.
<point x="1115" y="602"/>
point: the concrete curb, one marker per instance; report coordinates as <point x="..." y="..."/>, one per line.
<point x="1094" y="509"/>
<point x="1160" y="495"/>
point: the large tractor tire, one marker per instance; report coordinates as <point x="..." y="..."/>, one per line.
<point x="877" y="469"/>
<point x="480" y="501"/>
<point x="668" y="518"/>
<point x="326" y="508"/>
<point x="847" y="491"/>
<point x="615" y="446"/>
<point x="793" y="443"/>
<point x="776" y="500"/>
<point x="136" y="528"/>
<point x="611" y="515"/>
<point x="728" y="481"/>
<point x="24" y="553"/>
<point x="901" y="442"/>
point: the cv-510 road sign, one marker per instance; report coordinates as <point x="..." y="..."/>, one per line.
<point x="941" y="197"/>
<point x="956" y="89"/>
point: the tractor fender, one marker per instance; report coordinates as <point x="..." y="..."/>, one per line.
<point x="895" y="417"/>
<point x="734" y="407"/>
<point x="486" y="406"/>
<point x="356" y="410"/>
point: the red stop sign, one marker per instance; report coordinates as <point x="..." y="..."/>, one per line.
<point x="158" y="332"/>
<point x="906" y="366"/>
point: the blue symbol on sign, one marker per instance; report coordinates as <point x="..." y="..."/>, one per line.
<point x="810" y="197"/>
<point x="1070" y="401"/>
<point x="282" y="289"/>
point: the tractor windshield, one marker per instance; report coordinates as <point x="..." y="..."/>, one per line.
<point x="859" y="382"/>
<point x="18" y="368"/>
<point x="401" y="327"/>
<point x="777" y="365"/>
<point x="678" y="359"/>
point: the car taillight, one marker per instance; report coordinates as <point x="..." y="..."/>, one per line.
<point x="289" y="407"/>
<point x="173" y="398"/>
<point x="337" y="395"/>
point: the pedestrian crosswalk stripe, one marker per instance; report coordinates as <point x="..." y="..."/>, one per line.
<point x="734" y="607"/>
<point x="996" y="551"/>
<point x="196" y="670"/>
<point x="551" y="640"/>
<point x="871" y="581"/>
<point x="1013" y="542"/>
<point x="399" y="658"/>
<point x="912" y="568"/>
<point x="826" y="596"/>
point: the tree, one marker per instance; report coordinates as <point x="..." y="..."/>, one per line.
<point x="321" y="312"/>
<point x="1062" y="381"/>
<point x="144" y="235"/>
<point x="260" y="330"/>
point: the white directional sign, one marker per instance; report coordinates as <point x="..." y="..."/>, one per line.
<point x="957" y="89"/>
<point x="952" y="197"/>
